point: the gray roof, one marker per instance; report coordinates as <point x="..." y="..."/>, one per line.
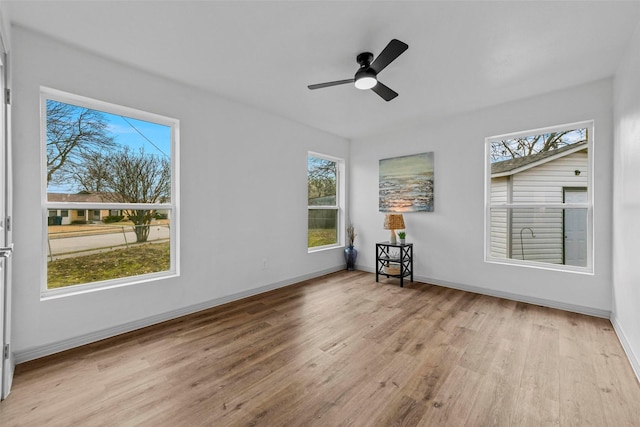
<point x="520" y="162"/>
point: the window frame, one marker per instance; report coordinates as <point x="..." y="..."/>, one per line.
<point x="589" y="205"/>
<point x="339" y="206"/>
<point x="172" y="206"/>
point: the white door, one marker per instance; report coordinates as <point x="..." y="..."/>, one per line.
<point x="575" y="228"/>
<point x="7" y="363"/>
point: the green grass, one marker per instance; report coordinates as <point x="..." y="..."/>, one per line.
<point x="133" y="261"/>
<point x="321" y="237"/>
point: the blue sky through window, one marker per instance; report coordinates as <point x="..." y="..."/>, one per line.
<point x="153" y="138"/>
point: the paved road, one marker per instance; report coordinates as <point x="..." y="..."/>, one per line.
<point x="80" y="245"/>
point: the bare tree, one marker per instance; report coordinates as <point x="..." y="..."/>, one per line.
<point x="90" y="174"/>
<point x="129" y="177"/>
<point x="321" y="179"/>
<point x="526" y="146"/>
<point x="73" y="133"/>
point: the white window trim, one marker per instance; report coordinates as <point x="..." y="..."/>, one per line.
<point x="173" y="206"/>
<point x="340" y="202"/>
<point x="589" y="269"/>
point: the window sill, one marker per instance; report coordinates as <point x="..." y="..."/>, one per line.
<point x="51" y="294"/>
<point x="324" y="248"/>
<point x="542" y="266"/>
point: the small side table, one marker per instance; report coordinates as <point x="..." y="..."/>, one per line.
<point x="394" y="260"/>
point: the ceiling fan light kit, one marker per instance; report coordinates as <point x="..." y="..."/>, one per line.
<point x="367" y="75"/>
<point x="365" y="82"/>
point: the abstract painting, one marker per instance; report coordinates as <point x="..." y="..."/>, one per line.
<point x="406" y="183"/>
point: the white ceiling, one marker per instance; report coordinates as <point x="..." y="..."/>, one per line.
<point x="462" y="55"/>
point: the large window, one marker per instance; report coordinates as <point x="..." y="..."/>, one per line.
<point x="110" y="194"/>
<point x="539" y="198"/>
<point x="324" y="201"/>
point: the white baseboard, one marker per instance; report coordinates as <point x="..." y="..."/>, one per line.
<point x="49" y="349"/>
<point x="633" y="359"/>
<point x="596" y="312"/>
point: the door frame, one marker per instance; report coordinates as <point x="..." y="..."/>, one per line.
<point x="7" y="359"/>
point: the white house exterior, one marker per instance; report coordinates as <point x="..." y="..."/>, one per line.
<point x="556" y="236"/>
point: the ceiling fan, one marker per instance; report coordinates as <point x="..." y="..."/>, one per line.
<point x="367" y="75"/>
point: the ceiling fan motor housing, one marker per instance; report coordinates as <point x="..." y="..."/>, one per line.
<point x="365" y="77"/>
<point x="364" y="59"/>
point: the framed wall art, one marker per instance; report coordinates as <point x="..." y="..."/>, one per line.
<point x="406" y="183"/>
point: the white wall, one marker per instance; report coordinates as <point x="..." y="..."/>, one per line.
<point x="626" y="203"/>
<point x="449" y="242"/>
<point x="240" y="167"/>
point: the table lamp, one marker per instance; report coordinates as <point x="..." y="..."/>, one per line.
<point x="393" y="222"/>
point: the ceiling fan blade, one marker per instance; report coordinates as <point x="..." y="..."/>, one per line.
<point x="388" y="55"/>
<point x="328" y="84"/>
<point x="384" y="92"/>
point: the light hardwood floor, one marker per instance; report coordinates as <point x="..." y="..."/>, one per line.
<point x="341" y="350"/>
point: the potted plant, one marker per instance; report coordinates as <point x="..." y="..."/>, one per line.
<point x="350" y="253"/>
<point x="401" y="236"/>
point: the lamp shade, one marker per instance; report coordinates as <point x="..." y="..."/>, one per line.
<point x="393" y="222"/>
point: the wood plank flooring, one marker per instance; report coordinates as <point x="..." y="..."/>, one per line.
<point x="341" y="350"/>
